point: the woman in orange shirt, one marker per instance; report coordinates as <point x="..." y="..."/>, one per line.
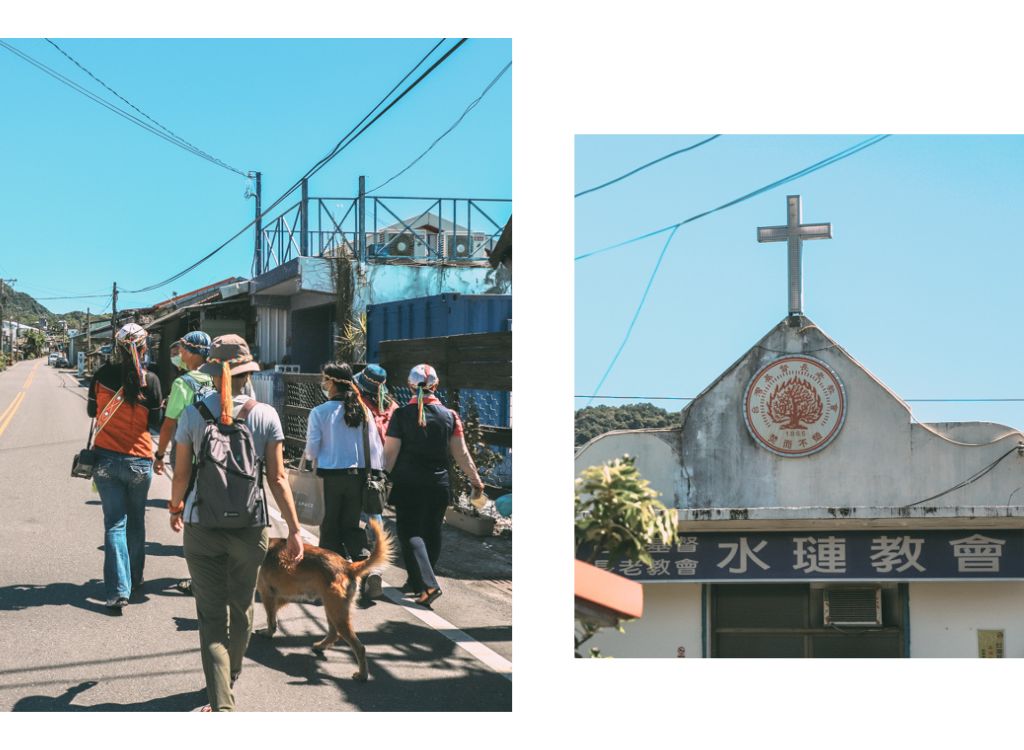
<point x="125" y="398"/>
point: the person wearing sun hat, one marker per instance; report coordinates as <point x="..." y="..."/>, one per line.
<point x="224" y="563"/>
<point x="421" y="437"/>
<point x="125" y="400"/>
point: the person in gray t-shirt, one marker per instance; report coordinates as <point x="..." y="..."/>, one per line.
<point x="224" y="563"/>
<point x="263" y="422"/>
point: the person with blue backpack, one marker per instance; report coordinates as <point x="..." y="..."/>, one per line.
<point x="192" y="385"/>
<point x="226" y="445"/>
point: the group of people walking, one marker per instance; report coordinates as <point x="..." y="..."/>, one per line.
<point x="220" y="443"/>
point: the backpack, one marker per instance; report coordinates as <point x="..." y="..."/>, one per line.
<point x="199" y="390"/>
<point x="228" y="474"/>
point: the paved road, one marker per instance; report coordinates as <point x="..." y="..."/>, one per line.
<point x="65" y="652"/>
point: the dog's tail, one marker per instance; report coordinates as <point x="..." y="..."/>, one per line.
<point x="383" y="552"/>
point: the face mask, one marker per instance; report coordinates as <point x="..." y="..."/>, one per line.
<point x="177" y="362"/>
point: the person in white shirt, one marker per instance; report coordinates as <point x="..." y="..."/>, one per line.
<point x="334" y="440"/>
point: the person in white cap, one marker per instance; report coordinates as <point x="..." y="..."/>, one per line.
<point x="125" y="400"/>
<point x="421" y="437"/>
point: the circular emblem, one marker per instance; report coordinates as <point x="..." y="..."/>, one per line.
<point x="795" y="406"/>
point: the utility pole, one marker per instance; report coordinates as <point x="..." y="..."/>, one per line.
<point x="3" y="324"/>
<point x="113" y="313"/>
<point x="258" y="250"/>
<point x="88" y="332"/>
<point x="361" y="221"/>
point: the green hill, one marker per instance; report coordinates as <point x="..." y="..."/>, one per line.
<point x="24" y="309"/>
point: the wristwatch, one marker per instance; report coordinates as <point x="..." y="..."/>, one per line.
<point x="159" y="455"/>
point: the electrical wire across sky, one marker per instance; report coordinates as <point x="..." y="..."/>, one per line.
<point x="160" y="131"/>
<point x="673" y="228"/>
<point x="386" y="103"/>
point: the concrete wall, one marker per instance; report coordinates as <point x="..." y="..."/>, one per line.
<point x="377" y="283"/>
<point x="945" y="617"/>
<point x="671" y="619"/>
<point x="880" y="458"/>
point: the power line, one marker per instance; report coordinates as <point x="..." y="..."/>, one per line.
<point x="104" y="103"/>
<point x="971" y="479"/>
<point x="636" y="314"/>
<point x="198" y="151"/>
<point x="645" y="166"/>
<point x="856" y="148"/>
<point x="452" y="127"/>
<point x="341" y="145"/>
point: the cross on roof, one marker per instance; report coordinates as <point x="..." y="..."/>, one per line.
<point x="794" y="233"/>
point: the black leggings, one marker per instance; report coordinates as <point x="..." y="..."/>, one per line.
<point x="419" y="513"/>
<point x="343" y="502"/>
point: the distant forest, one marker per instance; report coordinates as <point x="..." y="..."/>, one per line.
<point x="23" y="308"/>
<point x="592" y="421"/>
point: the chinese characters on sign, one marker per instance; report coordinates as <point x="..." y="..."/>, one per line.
<point x="854" y="555"/>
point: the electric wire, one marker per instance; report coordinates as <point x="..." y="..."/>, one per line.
<point x="452" y="127"/>
<point x="103" y="102"/>
<point x="347" y="140"/>
<point x="645" y="166"/>
<point x="856" y="148"/>
<point x="970" y="480"/>
<point x="198" y="151"/>
<point x="636" y="314"/>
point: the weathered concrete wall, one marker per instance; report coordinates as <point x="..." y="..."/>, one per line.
<point x="879" y="458"/>
<point x="377" y="283"/>
<point x="672" y="618"/>
<point x="945" y="617"/>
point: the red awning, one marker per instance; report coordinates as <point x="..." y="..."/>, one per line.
<point x="623" y="597"/>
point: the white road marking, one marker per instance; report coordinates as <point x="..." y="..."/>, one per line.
<point x="432" y="620"/>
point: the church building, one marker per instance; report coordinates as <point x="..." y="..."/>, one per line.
<point x="817" y="518"/>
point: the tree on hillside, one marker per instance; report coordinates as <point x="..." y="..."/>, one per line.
<point x="33" y="345"/>
<point x="592" y="421"/>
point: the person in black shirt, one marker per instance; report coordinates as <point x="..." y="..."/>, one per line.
<point x="421" y="436"/>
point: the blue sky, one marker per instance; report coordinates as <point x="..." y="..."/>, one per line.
<point x="89" y="198"/>
<point x="921" y="282"/>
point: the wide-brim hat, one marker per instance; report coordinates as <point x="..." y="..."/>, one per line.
<point x="234" y="351"/>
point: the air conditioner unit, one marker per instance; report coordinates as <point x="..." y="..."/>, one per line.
<point x="460" y="246"/>
<point x="402" y="246"/>
<point x="853" y="606"/>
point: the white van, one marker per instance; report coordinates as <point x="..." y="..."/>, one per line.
<point x="52" y="360"/>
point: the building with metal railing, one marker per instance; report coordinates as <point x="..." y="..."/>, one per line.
<point x="321" y="261"/>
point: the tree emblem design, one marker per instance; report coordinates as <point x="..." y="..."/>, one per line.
<point x="794" y="401"/>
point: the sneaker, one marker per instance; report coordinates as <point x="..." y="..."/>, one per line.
<point x="117" y="602"/>
<point x="372" y="588"/>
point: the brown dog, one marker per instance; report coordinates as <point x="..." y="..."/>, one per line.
<point x="326" y="576"/>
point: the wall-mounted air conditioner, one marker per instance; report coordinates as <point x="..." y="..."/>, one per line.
<point x="854" y="606"/>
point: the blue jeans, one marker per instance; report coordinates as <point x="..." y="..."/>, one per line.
<point x="123" y="482"/>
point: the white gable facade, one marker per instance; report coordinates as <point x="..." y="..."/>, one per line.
<point x="818" y="519"/>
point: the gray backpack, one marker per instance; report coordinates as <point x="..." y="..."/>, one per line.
<point x="228" y="475"/>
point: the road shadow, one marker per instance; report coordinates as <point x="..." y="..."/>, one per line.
<point x="186" y="623"/>
<point x="179" y="702"/>
<point x="87" y="596"/>
<point x="477" y="687"/>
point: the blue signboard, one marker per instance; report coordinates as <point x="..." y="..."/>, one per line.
<point x="834" y="555"/>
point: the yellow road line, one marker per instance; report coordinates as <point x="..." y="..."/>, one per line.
<point x="9" y="414"/>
